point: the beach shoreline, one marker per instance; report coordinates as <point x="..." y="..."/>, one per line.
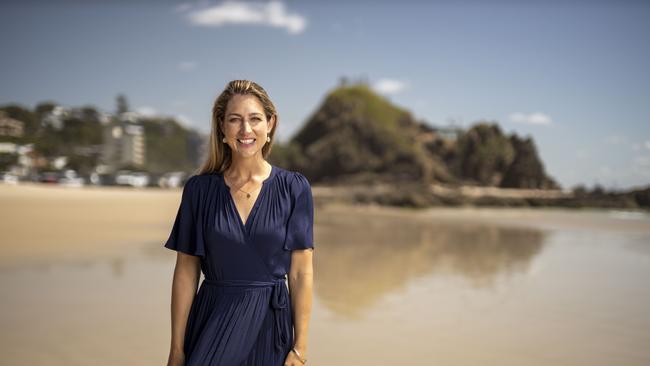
<point x="43" y="224"/>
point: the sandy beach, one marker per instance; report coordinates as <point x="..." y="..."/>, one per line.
<point x="53" y="223"/>
<point x="87" y="281"/>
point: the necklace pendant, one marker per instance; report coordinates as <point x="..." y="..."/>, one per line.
<point x="248" y="195"/>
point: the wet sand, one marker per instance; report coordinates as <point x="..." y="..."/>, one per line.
<point x="44" y="224"/>
<point x="86" y="280"/>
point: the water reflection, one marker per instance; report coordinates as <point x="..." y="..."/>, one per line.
<point x="377" y="274"/>
<point x="42" y="264"/>
<point x="361" y="258"/>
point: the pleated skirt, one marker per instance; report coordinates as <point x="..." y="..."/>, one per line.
<point x="234" y="326"/>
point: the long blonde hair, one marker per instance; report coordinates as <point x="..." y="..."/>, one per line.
<point x="219" y="155"/>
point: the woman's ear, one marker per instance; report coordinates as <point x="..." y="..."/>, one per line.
<point x="272" y="123"/>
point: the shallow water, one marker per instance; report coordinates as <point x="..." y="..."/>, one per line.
<point x="450" y="287"/>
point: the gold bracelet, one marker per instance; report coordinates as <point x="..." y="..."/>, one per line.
<point x="303" y="360"/>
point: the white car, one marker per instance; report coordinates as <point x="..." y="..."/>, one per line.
<point x="172" y="180"/>
<point x="71" y="179"/>
<point x="133" y="179"/>
<point x="8" y="178"/>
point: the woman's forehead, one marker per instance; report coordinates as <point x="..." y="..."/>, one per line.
<point x="247" y="104"/>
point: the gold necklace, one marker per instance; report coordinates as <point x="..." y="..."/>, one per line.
<point x="248" y="195"/>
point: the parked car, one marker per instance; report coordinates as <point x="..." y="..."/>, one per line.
<point x="51" y="177"/>
<point x="172" y="179"/>
<point x="71" y="179"/>
<point x="133" y="179"/>
<point x="154" y="180"/>
<point x="102" y="179"/>
<point x="8" y="178"/>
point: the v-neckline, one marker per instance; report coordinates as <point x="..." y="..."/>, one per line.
<point x="244" y="225"/>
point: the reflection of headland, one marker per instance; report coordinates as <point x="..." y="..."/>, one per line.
<point x="361" y="256"/>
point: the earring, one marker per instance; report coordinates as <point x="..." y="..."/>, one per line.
<point x="223" y="139"/>
<point x="268" y="139"/>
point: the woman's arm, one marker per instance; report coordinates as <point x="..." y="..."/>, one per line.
<point x="184" y="285"/>
<point x="300" y="288"/>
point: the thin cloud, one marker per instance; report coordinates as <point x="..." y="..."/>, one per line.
<point x="183" y="7"/>
<point x="614" y="140"/>
<point x="642" y="161"/>
<point x="537" y="118"/>
<point x="272" y="14"/>
<point x="147" y="111"/>
<point x="605" y="170"/>
<point x="184" y="120"/>
<point x="638" y="146"/>
<point x="178" y="103"/>
<point x="583" y="154"/>
<point x="641" y="166"/>
<point x="389" y="86"/>
<point x="186" y="66"/>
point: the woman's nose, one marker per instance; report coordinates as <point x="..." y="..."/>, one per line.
<point x="246" y="126"/>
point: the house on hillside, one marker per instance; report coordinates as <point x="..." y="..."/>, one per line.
<point x="11" y="127"/>
<point x="124" y="144"/>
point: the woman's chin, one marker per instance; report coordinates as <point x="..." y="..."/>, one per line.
<point x="247" y="152"/>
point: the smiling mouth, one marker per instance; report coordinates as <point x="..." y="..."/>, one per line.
<point x="246" y="142"/>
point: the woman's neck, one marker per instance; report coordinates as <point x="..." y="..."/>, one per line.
<point x="247" y="169"/>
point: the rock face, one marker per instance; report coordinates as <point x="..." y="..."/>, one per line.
<point x="484" y="154"/>
<point x="357" y="136"/>
<point x="487" y="157"/>
<point x="526" y="170"/>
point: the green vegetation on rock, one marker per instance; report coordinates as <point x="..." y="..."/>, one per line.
<point x="356" y="133"/>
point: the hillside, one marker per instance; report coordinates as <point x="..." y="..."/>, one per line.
<point x="357" y="136"/>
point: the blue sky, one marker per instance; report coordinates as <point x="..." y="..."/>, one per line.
<point x="574" y="75"/>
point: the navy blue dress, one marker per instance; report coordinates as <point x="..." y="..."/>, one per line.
<point x="241" y="314"/>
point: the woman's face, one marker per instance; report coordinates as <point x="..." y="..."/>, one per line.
<point x="245" y="125"/>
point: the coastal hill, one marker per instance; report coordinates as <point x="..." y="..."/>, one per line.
<point x="358" y="136"/>
<point x="359" y="147"/>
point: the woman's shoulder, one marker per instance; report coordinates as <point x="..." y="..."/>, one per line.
<point x="293" y="183"/>
<point x="197" y="179"/>
<point x="197" y="183"/>
<point x="291" y="178"/>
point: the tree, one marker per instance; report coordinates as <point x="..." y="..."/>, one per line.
<point x="122" y="105"/>
<point x="527" y="170"/>
<point x="485" y="153"/>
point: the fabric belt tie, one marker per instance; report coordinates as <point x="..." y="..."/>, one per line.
<point x="279" y="302"/>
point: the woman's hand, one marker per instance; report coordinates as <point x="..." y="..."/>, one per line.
<point x="293" y="359"/>
<point x="176" y="359"/>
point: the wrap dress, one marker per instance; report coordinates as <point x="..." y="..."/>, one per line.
<point x="241" y="313"/>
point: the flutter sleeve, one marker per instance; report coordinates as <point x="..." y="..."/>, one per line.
<point x="300" y="227"/>
<point x="187" y="233"/>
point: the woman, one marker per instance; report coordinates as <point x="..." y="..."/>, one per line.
<point x="246" y="224"/>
